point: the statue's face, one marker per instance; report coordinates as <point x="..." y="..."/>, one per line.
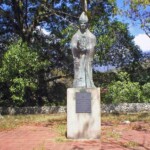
<point x="83" y="26"/>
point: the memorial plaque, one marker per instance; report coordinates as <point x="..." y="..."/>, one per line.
<point x="83" y="102"/>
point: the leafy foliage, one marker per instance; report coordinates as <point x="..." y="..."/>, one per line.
<point x="145" y="92"/>
<point x="20" y="66"/>
<point x="115" y="46"/>
<point x="139" y="70"/>
<point x="123" y="91"/>
<point x="33" y="73"/>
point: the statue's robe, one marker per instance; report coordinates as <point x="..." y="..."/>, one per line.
<point x="82" y="45"/>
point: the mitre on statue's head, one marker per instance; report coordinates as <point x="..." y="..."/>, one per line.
<point x="83" y="18"/>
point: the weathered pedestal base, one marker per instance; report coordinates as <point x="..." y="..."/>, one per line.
<point x="83" y="113"/>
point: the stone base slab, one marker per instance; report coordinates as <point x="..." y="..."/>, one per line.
<point x="83" y="125"/>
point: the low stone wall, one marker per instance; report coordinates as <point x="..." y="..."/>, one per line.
<point x="126" y="108"/>
<point x="105" y="108"/>
<point x="32" y="110"/>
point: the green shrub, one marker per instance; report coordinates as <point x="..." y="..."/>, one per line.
<point x="123" y="91"/>
<point x="146" y="92"/>
<point x="18" y="87"/>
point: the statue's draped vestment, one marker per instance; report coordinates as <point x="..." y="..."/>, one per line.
<point x="82" y="45"/>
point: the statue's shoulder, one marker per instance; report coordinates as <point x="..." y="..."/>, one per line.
<point x="76" y="35"/>
<point x="91" y="35"/>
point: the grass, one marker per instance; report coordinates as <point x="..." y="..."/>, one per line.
<point x="117" y="118"/>
<point x="59" y="120"/>
<point x="61" y="129"/>
<point x="113" y="135"/>
<point x="10" y="122"/>
<point x="40" y="147"/>
<point x="131" y="144"/>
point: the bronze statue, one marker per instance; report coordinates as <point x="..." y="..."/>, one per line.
<point x="82" y="45"/>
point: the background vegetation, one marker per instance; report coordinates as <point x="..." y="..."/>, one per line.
<point x="36" y="65"/>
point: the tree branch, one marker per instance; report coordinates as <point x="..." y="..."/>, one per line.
<point x="56" y="78"/>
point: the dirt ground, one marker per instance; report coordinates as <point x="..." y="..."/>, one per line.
<point x="124" y="136"/>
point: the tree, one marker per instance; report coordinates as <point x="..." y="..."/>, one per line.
<point x="114" y="42"/>
<point x="23" y="19"/>
<point x="19" y="73"/>
<point x="116" y="46"/>
<point x="138" y="11"/>
<point x="140" y="72"/>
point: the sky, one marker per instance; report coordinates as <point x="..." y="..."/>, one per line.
<point x="141" y="39"/>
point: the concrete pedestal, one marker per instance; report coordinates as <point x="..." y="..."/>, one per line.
<point x="82" y="122"/>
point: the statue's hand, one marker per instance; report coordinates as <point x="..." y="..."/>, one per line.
<point x="82" y="48"/>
